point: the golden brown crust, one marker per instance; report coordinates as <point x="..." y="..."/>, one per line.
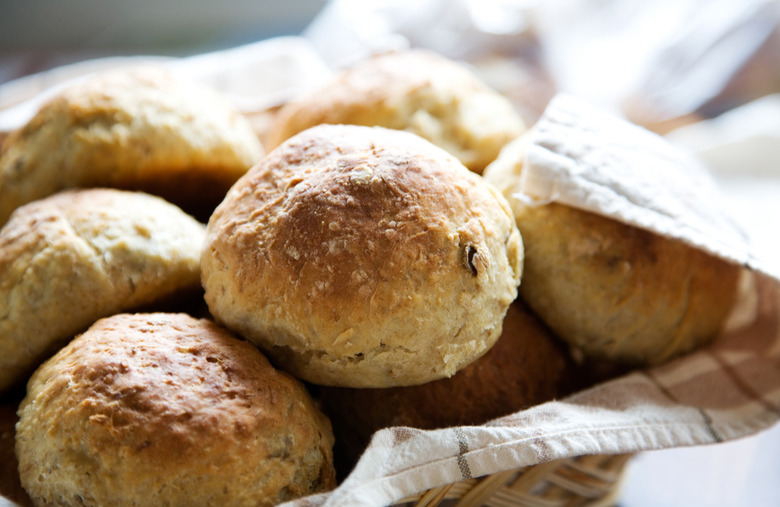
<point x="525" y="367"/>
<point x="417" y="91"/>
<point x="74" y="257"/>
<point x="363" y="257"/>
<point x="137" y="129"/>
<point x="619" y="292"/>
<point x="164" y="409"/>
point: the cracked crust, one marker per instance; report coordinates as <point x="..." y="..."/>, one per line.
<point x="165" y="409"/>
<point x="363" y="257"/>
<point x="616" y="291"/>
<point x="417" y="91"/>
<point x="137" y="129"/>
<point x="74" y="257"/>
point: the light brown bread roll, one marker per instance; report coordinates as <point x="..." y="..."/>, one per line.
<point x="137" y="128"/>
<point x="69" y="259"/>
<point x="417" y="91"/>
<point x="616" y="291"/>
<point x="165" y="409"/>
<point x="363" y="257"/>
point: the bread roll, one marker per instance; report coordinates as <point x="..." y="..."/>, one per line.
<point x="618" y="292"/>
<point x="136" y="128"/>
<point x="363" y="257"/>
<point x="165" y="409"/>
<point x="527" y="366"/>
<point x="69" y="259"/>
<point x="417" y="91"/>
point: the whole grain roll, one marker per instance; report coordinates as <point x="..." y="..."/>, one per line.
<point x="165" y="409"/>
<point x="527" y="366"/>
<point x="616" y="291"/>
<point x="363" y="257"/>
<point x="77" y="256"/>
<point x="418" y="91"/>
<point x="137" y="128"/>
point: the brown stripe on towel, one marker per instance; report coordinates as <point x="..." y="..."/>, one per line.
<point x="743" y="386"/>
<point x="463" y="448"/>
<point x="401" y="434"/>
<point x="541" y="448"/>
<point x="761" y="335"/>
<point x="716" y="436"/>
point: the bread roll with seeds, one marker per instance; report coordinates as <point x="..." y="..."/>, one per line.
<point x="418" y="91"/>
<point x="165" y="409"/>
<point x="618" y="292"/>
<point x="527" y="366"/>
<point x="77" y="256"/>
<point x="135" y="128"/>
<point x="363" y="257"/>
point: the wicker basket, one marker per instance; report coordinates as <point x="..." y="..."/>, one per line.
<point x="583" y="481"/>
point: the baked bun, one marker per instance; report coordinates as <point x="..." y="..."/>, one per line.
<point x="616" y="291"/>
<point x="137" y="129"/>
<point x="417" y="91"/>
<point x="165" y="409"/>
<point x="363" y="257"/>
<point x="74" y="257"/>
<point x="527" y="366"/>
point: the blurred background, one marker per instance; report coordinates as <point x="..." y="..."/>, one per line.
<point x="657" y="62"/>
<point x="705" y="73"/>
<point x="40" y="34"/>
